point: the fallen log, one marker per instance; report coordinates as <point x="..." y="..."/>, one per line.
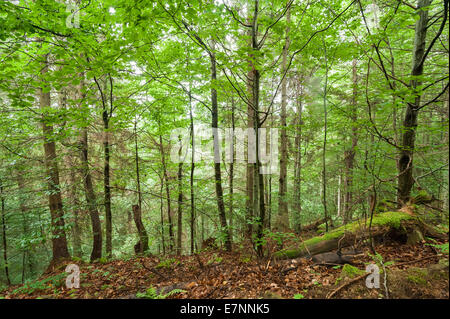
<point x="314" y="225"/>
<point x="344" y="236"/>
<point x="332" y="258"/>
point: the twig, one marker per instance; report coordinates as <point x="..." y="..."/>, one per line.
<point x="346" y="284"/>
<point x="413" y="261"/>
<point x="154" y="271"/>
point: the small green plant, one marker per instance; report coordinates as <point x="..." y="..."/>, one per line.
<point x="298" y="296"/>
<point x="442" y="247"/>
<point x="77" y="259"/>
<point x="337" y="266"/>
<point x="151" y="293"/>
<point x="215" y="259"/>
<point x="30" y="287"/>
<point x="168" y="263"/>
<point x="246" y="259"/>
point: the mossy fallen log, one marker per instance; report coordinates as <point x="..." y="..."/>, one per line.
<point x="347" y="234"/>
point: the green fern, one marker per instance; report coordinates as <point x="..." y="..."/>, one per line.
<point x="151" y="293"/>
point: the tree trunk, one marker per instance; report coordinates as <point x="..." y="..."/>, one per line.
<point x="250" y="180"/>
<point x="283" y="214"/>
<point x="217" y="174"/>
<point x="142" y="245"/>
<point x="24" y="209"/>
<point x="169" y="211"/>
<point x="349" y="155"/>
<point x="259" y="203"/>
<point x="324" y="173"/>
<point x="231" y="178"/>
<point x="298" y="161"/>
<point x="76" y="206"/>
<point x="89" y="192"/>
<point x="106" y="181"/>
<point x="191" y="182"/>
<point x="59" y="240"/>
<point x="162" y="216"/>
<point x="405" y="163"/>
<point x="180" y="204"/>
<point x="5" y="247"/>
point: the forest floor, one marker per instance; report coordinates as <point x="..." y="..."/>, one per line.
<point x="218" y="274"/>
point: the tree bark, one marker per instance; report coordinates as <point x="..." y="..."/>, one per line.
<point x="106" y="178"/>
<point x="324" y="173"/>
<point x="349" y="155"/>
<point x="191" y="182"/>
<point x="89" y="192"/>
<point x="169" y="211"/>
<point x="231" y="178"/>
<point x="283" y="214"/>
<point x="180" y="204"/>
<point x="405" y="163"/>
<point x="259" y="203"/>
<point x="142" y="245"/>
<point x="162" y="216"/>
<point x="5" y="246"/>
<point x="298" y="161"/>
<point x="59" y="240"/>
<point x="24" y="209"/>
<point x="217" y="173"/>
<point x="250" y="180"/>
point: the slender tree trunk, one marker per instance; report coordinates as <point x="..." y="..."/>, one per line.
<point x="231" y="208"/>
<point x="180" y="204"/>
<point x="259" y="203"/>
<point x="5" y="247"/>
<point x="89" y="192"/>
<point x="283" y="214"/>
<point x="339" y="210"/>
<point x="217" y="173"/>
<point x="136" y="160"/>
<point x="405" y="163"/>
<point x="59" y="240"/>
<point x="191" y="182"/>
<point x="106" y="183"/>
<point x="162" y="216"/>
<point x="349" y="155"/>
<point x="24" y="210"/>
<point x="169" y="211"/>
<point x="298" y="161"/>
<point x="324" y="173"/>
<point x="137" y="209"/>
<point x="250" y="179"/>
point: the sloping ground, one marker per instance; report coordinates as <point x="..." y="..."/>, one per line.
<point x="217" y="274"/>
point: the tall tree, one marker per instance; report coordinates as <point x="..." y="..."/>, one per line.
<point x="283" y="214"/>
<point x="59" y="240"/>
<point x="89" y="192"/>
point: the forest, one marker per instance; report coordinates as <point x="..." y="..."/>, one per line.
<point x="217" y="149"/>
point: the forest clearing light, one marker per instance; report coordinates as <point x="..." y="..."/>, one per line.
<point x="208" y="141"/>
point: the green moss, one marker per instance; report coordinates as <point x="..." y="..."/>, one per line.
<point x="384" y="205"/>
<point x="417" y="276"/>
<point x="422" y="197"/>
<point x="287" y="253"/>
<point x="351" y="271"/>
